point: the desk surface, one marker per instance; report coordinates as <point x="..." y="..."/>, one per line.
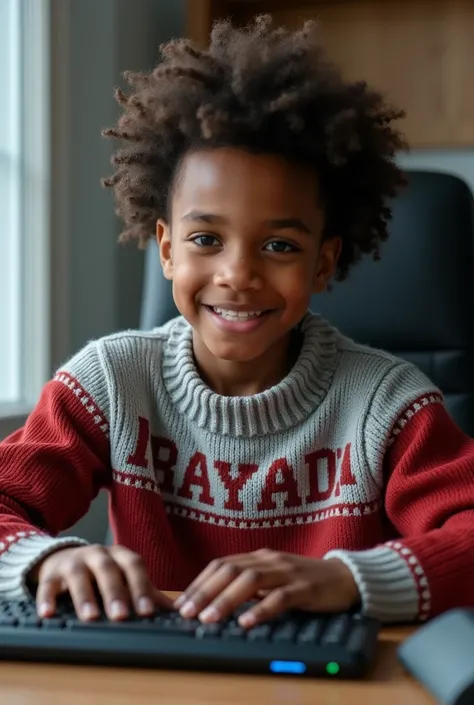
<point x="41" y="684"/>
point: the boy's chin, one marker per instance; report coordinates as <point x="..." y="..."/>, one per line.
<point x="235" y="353"/>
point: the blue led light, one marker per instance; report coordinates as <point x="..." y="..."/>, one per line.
<point x="296" y="667"/>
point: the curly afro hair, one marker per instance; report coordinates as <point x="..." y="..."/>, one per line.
<point x="268" y="90"/>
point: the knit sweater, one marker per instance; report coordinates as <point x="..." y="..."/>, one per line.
<point x="352" y="455"/>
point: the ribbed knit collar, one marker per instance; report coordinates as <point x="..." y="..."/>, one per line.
<point x="276" y="409"/>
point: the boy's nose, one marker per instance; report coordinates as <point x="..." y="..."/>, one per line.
<point x="239" y="273"/>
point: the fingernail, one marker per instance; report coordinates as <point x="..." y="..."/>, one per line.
<point x="188" y="609"/>
<point x="118" y="609"/>
<point x="248" y="619"/>
<point x="45" y="608"/>
<point x="210" y="614"/>
<point x="179" y="602"/>
<point x="145" y="605"/>
<point x="89" y="610"/>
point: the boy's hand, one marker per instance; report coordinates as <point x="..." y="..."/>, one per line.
<point x="119" y="575"/>
<point x="285" y="581"/>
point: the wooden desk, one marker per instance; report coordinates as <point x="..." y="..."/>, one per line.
<point x="44" y="684"/>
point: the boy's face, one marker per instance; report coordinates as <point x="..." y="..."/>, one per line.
<point x="244" y="250"/>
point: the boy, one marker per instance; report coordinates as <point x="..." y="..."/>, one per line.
<point x="249" y="449"/>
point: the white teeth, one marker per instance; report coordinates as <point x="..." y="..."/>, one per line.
<point x="236" y="315"/>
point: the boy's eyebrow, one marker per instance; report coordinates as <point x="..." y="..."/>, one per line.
<point x="289" y="224"/>
<point x="276" y="223"/>
<point x="204" y="217"/>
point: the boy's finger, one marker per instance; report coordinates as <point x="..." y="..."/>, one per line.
<point x="83" y="596"/>
<point x="111" y="584"/>
<point x="277" y="601"/>
<point x="201" y="579"/>
<point x="139" y="586"/>
<point x="207" y="589"/>
<point x="243" y="588"/>
<point x="46" y="595"/>
<point x="145" y="596"/>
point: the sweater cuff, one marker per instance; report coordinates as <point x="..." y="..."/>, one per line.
<point x="387" y="586"/>
<point x="22" y="553"/>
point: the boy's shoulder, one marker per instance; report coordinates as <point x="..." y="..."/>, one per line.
<point x="124" y="348"/>
<point x="370" y="372"/>
<point x="155" y="336"/>
<point x="351" y="348"/>
<point x="388" y="380"/>
<point x="349" y="351"/>
<point x="126" y="342"/>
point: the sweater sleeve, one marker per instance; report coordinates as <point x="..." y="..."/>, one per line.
<point x="52" y="469"/>
<point x="429" y="503"/>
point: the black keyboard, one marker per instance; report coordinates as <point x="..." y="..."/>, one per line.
<point x="296" y="643"/>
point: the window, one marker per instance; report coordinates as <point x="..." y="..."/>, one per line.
<point x="10" y="206"/>
<point x="24" y="204"/>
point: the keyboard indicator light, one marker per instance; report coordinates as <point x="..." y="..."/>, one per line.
<point x="332" y="668"/>
<point x="287" y="667"/>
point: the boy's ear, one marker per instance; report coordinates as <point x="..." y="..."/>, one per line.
<point x="326" y="265"/>
<point x="163" y="238"/>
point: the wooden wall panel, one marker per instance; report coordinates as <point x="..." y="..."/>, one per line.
<point x="199" y="17"/>
<point x="419" y="52"/>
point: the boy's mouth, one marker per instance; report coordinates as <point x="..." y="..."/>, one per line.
<point x="232" y="315"/>
<point x="234" y="321"/>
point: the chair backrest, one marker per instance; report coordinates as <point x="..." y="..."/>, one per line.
<point x="417" y="302"/>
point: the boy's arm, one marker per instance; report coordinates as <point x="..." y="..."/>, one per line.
<point x="50" y="471"/>
<point x="429" y="500"/>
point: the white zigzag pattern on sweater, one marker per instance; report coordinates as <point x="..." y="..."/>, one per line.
<point x="195" y="514"/>
<point x="410" y="412"/>
<point x="85" y="400"/>
<point x="424" y="594"/>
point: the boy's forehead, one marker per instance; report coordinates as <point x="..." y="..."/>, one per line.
<point x="233" y="178"/>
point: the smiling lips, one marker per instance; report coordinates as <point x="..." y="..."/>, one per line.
<point x="235" y="320"/>
<point x="233" y="315"/>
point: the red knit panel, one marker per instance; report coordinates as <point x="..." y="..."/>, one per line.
<point x="408" y="413"/>
<point x="430" y="502"/>
<point x="54" y="466"/>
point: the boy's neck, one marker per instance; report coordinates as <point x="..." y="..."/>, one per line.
<point x="243" y="379"/>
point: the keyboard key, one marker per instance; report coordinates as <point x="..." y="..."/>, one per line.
<point x="183" y="626"/>
<point x="24" y="605"/>
<point x="14" y="610"/>
<point x="336" y="630"/>
<point x="162" y="615"/>
<point x="29" y="621"/>
<point x="208" y="631"/>
<point x="356" y="638"/>
<point x="262" y="632"/>
<point x="234" y="632"/>
<point x="53" y="623"/>
<point x="8" y="620"/>
<point x="285" y="632"/>
<point x="109" y="625"/>
<point x="311" y="632"/>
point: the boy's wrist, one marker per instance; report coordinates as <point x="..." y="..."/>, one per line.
<point x="387" y="587"/>
<point x="346" y="582"/>
<point x="33" y="558"/>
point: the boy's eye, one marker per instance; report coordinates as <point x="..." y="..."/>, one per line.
<point x="280" y="246"/>
<point x="205" y="240"/>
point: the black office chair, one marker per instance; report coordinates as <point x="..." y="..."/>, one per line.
<point x="417" y="303"/>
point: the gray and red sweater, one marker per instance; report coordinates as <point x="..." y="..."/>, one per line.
<point x="351" y="455"/>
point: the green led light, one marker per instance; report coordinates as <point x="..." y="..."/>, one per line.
<point x="332" y="668"/>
